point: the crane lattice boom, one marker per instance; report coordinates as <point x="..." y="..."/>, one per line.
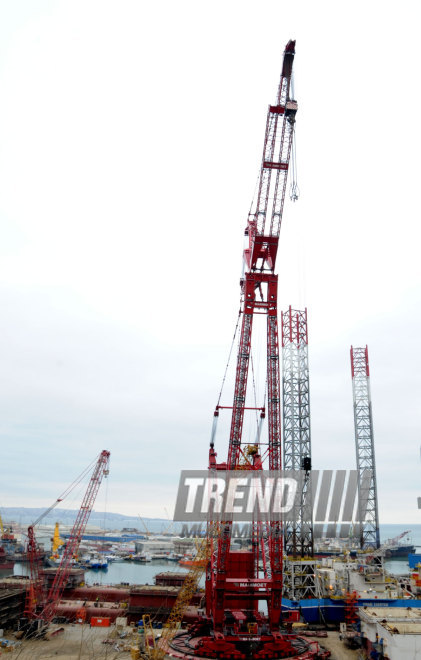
<point x="56" y="589"/>
<point x="224" y="587"/>
<point x="49" y="604"/>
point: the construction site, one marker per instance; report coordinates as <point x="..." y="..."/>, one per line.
<point x="270" y="551"/>
<point x="278" y="593"/>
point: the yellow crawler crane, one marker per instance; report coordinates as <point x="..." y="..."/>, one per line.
<point x="247" y="458"/>
<point x="149" y="636"/>
<point x="157" y="650"/>
<point x="57" y="542"/>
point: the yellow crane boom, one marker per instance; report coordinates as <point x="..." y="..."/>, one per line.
<point x="157" y="651"/>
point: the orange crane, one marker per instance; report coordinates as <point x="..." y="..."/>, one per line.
<point x="147" y="532"/>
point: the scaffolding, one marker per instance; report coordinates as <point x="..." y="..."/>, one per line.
<point x="299" y="578"/>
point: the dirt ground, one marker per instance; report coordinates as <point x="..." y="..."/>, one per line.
<point x="75" y="643"/>
<point x="83" y="643"/>
<point x="337" y="648"/>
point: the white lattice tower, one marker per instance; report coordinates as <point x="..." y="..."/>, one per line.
<point x="364" y="446"/>
<point x="296" y="427"/>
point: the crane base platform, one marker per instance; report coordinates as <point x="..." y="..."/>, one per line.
<point x="233" y="647"/>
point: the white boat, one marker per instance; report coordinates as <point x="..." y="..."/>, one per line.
<point x="95" y="561"/>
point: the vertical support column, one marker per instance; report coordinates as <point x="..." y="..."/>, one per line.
<point x="275" y="457"/>
<point x="273" y="376"/>
<point x="243" y="360"/>
<point x="296" y="428"/>
<point x="364" y="446"/>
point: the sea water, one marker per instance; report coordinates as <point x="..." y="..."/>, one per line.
<point x="121" y="572"/>
<point x="135" y="573"/>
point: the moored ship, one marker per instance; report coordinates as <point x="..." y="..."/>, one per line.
<point x="6" y="564"/>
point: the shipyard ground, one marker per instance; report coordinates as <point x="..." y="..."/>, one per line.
<point x="74" y="643"/>
<point x="81" y="643"/>
<point x="337" y="648"/>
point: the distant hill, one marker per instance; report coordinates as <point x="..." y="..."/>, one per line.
<point x="101" y="519"/>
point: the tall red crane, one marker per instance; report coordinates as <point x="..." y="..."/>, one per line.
<point x="35" y="594"/>
<point x="35" y="590"/>
<point x="234" y="584"/>
<point x="101" y="469"/>
<point x="44" y="607"/>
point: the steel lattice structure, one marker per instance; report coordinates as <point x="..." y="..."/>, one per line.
<point x="226" y="589"/>
<point x="299" y="579"/>
<point x="364" y="445"/>
<point x="72" y="545"/>
<point x="40" y="605"/>
<point x="35" y="589"/>
<point x="296" y="427"/>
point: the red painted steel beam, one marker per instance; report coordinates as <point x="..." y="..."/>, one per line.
<point x="71" y="548"/>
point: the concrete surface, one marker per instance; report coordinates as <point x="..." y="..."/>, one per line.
<point x="337" y="648"/>
<point x="75" y="643"/>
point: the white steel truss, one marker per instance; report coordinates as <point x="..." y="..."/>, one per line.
<point x="364" y="445"/>
<point x="298" y="532"/>
<point x="299" y="579"/>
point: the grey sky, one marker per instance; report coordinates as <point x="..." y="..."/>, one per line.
<point x="130" y="143"/>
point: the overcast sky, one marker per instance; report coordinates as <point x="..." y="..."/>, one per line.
<point x="130" y="143"/>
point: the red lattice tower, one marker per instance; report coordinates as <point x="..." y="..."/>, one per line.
<point x="351" y="608"/>
<point x="234" y="582"/>
<point x="40" y="605"/>
<point x="72" y="545"/>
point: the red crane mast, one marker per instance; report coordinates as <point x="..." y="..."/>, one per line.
<point x="260" y="258"/>
<point x="101" y="469"/>
<point x="35" y="595"/>
<point x="226" y="587"/>
<point x="40" y="605"/>
<point x="35" y="590"/>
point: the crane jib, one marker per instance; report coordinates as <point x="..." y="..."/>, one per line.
<point x="230" y="569"/>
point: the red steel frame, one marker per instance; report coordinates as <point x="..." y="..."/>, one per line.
<point x="36" y="599"/>
<point x="35" y="591"/>
<point x="222" y="586"/>
<point x="77" y="532"/>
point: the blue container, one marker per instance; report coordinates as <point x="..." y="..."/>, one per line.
<point x="413" y="560"/>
